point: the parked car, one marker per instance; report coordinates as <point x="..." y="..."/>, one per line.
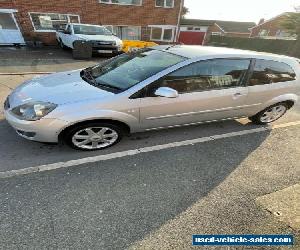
<point x="154" y="88"/>
<point x="101" y="39"/>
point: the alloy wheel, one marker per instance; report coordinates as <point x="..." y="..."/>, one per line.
<point x="95" y="138"/>
<point x="273" y="113"/>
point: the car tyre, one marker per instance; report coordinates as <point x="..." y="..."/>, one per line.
<point x="93" y="136"/>
<point x="62" y="45"/>
<point x="270" y="114"/>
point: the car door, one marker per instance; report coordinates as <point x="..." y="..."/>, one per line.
<point x="66" y="36"/>
<point x="207" y="90"/>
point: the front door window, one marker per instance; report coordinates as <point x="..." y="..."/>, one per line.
<point x="206" y="75"/>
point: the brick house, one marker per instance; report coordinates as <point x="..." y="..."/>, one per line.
<point x="195" y="31"/>
<point x="232" y="29"/>
<point x="37" y="20"/>
<point x="271" y="29"/>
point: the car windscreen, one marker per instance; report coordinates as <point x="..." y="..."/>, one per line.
<point x="127" y="70"/>
<point x="91" y="30"/>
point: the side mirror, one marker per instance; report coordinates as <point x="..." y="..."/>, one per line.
<point x="67" y="32"/>
<point x="166" y="92"/>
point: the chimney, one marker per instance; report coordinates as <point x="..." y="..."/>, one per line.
<point x="262" y="20"/>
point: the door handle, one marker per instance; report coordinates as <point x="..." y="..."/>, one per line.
<point x="237" y="95"/>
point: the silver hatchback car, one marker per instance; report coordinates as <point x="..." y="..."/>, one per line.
<point x="154" y="88"/>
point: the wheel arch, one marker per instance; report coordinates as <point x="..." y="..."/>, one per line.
<point x="290" y="103"/>
<point x="125" y="127"/>
<point x="290" y="99"/>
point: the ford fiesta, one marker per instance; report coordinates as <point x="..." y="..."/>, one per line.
<point x="155" y="88"/>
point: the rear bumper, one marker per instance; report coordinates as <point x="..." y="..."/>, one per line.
<point x="43" y="130"/>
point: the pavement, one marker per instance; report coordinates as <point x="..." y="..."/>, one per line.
<point x="151" y="200"/>
<point x="285" y="204"/>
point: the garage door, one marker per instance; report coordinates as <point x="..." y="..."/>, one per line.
<point x="191" y="37"/>
<point x="9" y="30"/>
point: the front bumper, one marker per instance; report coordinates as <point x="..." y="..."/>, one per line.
<point x="43" y="130"/>
<point x="100" y="47"/>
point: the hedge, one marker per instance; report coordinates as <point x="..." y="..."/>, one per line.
<point x="282" y="47"/>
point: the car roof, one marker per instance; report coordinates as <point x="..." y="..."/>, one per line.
<point x="196" y="51"/>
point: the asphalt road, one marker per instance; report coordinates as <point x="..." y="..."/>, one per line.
<point x="154" y="200"/>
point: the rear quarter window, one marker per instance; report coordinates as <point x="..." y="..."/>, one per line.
<point x="268" y="72"/>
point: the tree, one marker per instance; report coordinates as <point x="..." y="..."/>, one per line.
<point x="291" y="24"/>
<point x="184" y="12"/>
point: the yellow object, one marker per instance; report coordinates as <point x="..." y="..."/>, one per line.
<point x="129" y="45"/>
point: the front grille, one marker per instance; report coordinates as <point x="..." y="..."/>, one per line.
<point x="6" y="103"/>
<point x="105" y="43"/>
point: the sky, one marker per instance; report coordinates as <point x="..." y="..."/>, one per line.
<point x="238" y="10"/>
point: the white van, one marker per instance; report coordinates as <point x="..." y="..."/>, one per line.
<point x="103" y="41"/>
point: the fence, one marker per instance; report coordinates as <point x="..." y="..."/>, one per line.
<point x="283" y="47"/>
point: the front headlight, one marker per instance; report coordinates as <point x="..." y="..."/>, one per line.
<point x="33" y="111"/>
<point x="120" y="45"/>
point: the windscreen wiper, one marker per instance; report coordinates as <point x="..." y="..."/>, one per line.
<point x="108" y="86"/>
<point x="86" y="74"/>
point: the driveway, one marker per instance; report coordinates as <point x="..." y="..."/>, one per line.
<point x="45" y="59"/>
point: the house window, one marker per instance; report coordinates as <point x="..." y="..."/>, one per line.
<point x="162" y="33"/>
<point x="164" y="3"/>
<point x="194" y="28"/>
<point x="156" y="33"/>
<point x="126" y="32"/>
<point x="168" y="34"/>
<point x="122" y="2"/>
<point x="7" y="22"/>
<point x="263" y="33"/>
<point x="283" y="34"/>
<point x="50" y="22"/>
